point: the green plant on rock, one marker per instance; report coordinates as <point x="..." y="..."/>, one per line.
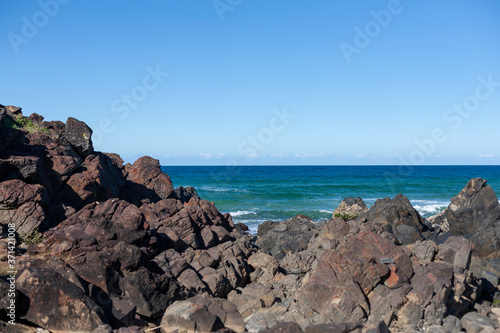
<point x="346" y="216"/>
<point x="24" y="124"/>
<point x="31" y="238"/>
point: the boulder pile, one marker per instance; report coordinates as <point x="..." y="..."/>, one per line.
<point x="107" y="247"/>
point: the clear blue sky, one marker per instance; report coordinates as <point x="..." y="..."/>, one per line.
<point x="361" y="91"/>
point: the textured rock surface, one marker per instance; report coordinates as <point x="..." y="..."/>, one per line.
<point x="79" y="136"/>
<point x="350" y="208"/>
<point x="122" y="250"/>
<point x="475" y="214"/>
<point x="398" y="217"/>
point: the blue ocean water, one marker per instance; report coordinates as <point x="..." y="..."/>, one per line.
<point x="254" y="194"/>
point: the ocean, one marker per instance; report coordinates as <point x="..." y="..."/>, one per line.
<point x="254" y="194"/>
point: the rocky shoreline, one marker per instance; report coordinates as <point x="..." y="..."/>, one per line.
<point x="107" y="247"/>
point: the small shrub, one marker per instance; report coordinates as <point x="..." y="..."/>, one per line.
<point x="345" y="216"/>
<point x="25" y="124"/>
<point x="34" y="237"/>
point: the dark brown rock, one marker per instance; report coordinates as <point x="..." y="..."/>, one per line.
<point x="79" y="136"/>
<point x="398" y="217"/>
<point x="147" y="182"/>
<point x="285" y="328"/>
<point x="186" y="316"/>
<point x="332" y="328"/>
<point x="97" y="180"/>
<point x="475" y="214"/>
<point x="263" y="228"/>
<point x="54" y="303"/>
<point x="22" y="204"/>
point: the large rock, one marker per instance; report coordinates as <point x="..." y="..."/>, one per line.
<point x="79" y="136"/>
<point x="22" y="204"/>
<point x="265" y="266"/>
<point x="475" y="214"/>
<point x="350" y="208"/>
<point x="54" y="303"/>
<point x="98" y="179"/>
<point x="474" y="322"/>
<point x="397" y="216"/>
<point x="336" y="289"/>
<point x="147" y="181"/>
<point x="185" y="194"/>
<point x="202" y="314"/>
<point x="292" y="235"/>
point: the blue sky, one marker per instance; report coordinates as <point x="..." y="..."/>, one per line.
<point x="263" y="82"/>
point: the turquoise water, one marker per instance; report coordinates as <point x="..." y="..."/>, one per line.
<point x="254" y="194"/>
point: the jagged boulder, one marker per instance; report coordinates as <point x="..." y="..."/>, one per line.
<point x="350" y="208"/>
<point x="202" y="314"/>
<point x="398" y="217"/>
<point x="147" y="181"/>
<point x="22" y="204"/>
<point x="292" y="235"/>
<point x="52" y="302"/>
<point x="475" y="214"/>
<point x="185" y="194"/>
<point x="79" y="135"/>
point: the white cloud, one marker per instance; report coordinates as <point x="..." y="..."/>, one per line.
<point x="252" y="155"/>
<point x="206" y="155"/>
<point x="486" y="155"/>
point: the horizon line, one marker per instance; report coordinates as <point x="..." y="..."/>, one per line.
<point x="317" y="165"/>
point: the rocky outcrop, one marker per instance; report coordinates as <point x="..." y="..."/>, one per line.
<point x="475" y="214"/>
<point x="145" y="178"/>
<point x="22" y="204"/>
<point x="350" y="209"/>
<point x="119" y="245"/>
<point x="351" y="271"/>
<point x="290" y="236"/>
<point x="122" y="250"/>
<point x="398" y="217"/>
<point x="79" y="136"/>
<point x="50" y="300"/>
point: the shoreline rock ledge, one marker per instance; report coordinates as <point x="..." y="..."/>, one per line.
<point x="108" y="247"/>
